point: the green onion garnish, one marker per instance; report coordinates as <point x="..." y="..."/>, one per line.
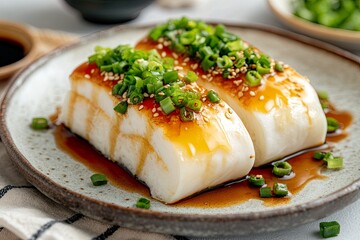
<point x="143" y="203"/>
<point x="256" y="180"/>
<point x="171" y="76"/>
<point x="39" y="123"/>
<point x="191" y="77"/>
<point x="253" y="78"/>
<point x="121" y="107"/>
<point x="186" y="115"/>
<point x="98" y="179"/>
<point x="335" y="163"/>
<point x="319" y="155"/>
<point x="278" y="67"/>
<point x="194" y="104"/>
<point x="329" y="229"/>
<point x="281" y="169"/>
<point x="213" y="96"/>
<point x="167" y="105"/>
<point x="332" y="124"/>
<point x="280" y="190"/>
<point x="265" y="192"/>
<point x="323" y="95"/>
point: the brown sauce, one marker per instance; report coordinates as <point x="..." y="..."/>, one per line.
<point x="10" y="52"/>
<point x="304" y="166"/>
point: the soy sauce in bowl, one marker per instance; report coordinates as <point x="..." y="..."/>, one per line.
<point x="10" y="51"/>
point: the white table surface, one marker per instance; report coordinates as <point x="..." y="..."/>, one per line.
<point x="56" y="15"/>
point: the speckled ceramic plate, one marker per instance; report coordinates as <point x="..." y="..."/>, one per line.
<point x="37" y="91"/>
<point x="344" y="38"/>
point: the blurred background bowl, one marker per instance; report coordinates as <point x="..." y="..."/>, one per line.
<point x="283" y="10"/>
<point x="109" y="11"/>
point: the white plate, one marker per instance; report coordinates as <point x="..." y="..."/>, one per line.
<point x="40" y="88"/>
<point x="344" y="38"/>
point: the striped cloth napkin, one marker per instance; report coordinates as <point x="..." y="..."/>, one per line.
<point x="27" y="214"/>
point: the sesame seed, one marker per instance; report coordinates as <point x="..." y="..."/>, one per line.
<point x="153" y="110"/>
<point x="184" y="64"/>
<point x="161" y="94"/>
<point x="206" y="119"/>
<point x="106" y="78"/>
<point x="146" y="94"/>
<point x="161" y="40"/>
<point x="237" y="70"/>
<point x="160" y="46"/>
<point x="87" y="76"/>
<point x="166" y="43"/>
<point x="261" y="97"/>
<point x="175" y="55"/>
<point x="102" y="73"/>
<point x="194" y="66"/>
<point x="252" y="93"/>
<point x="176" y="62"/>
<point x="163" y="54"/>
<point x="152" y="95"/>
<point x="237" y="82"/>
<point x="227" y="115"/>
<point x="222" y="104"/>
<point x="181" y="75"/>
<point x="230" y="110"/>
<point x="124" y="94"/>
<point x="159" y="109"/>
<point x="178" y="68"/>
<point x="203" y="76"/>
<point x="203" y="99"/>
<point x="92" y="71"/>
<point x="141" y="107"/>
<point x="240" y="94"/>
<point x="186" y="59"/>
<point x="155" y="114"/>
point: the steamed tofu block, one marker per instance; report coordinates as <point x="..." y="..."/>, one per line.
<point x="277" y="105"/>
<point x="175" y="159"/>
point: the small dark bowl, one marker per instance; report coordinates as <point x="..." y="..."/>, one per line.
<point x="109" y="11"/>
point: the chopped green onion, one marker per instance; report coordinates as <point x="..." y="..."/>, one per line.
<point x="335" y="163"/>
<point x="171" y="76"/>
<point x="98" y="179"/>
<point x="265" y="192"/>
<point x="329" y="229"/>
<point x="280" y="190"/>
<point x="194" y="104"/>
<point x="136" y="97"/>
<point x="39" y="123"/>
<point x="121" y="107"/>
<point x="323" y="95"/>
<point x="281" y="169"/>
<point x="143" y="203"/>
<point x="257" y="180"/>
<point x="253" y="78"/>
<point x="191" y="76"/>
<point x="187" y="37"/>
<point x="167" y="105"/>
<point x="332" y="124"/>
<point x="319" y="155"/>
<point x="278" y="67"/>
<point x="224" y="62"/>
<point x="213" y="96"/>
<point x="207" y="63"/>
<point x="185" y="115"/>
<point x="262" y="70"/>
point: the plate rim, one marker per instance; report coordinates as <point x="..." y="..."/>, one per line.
<point x="74" y="200"/>
<point x="313" y="28"/>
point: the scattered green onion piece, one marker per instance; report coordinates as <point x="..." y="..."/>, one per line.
<point x="335" y="163"/>
<point x="332" y="124"/>
<point x="136" y="97"/>
<point x="319" y="155"/>
<point x="281" y="169"/>
<point x="194" y="104"/>
<point x="329" y="229"/>
<point x="171" y="76"/>
<point x="98" y="179"/>
<point x="157" y="32"/>
<point x="253" y="78"/>
<point x="207" y="63"/>
<point x="224" y="62"/>
<point x="323" y="95"/>
<point x="257" y="180"/>
<point x="280" y="190"/>
<point x="213" y="96"/>
<point x="187" y="37"/>
<point x="121" y="107"/>
<point x="262" y="70"/>
<point x="191" y="76"/>
<point x="39" y="123"/>
<point x="143" y="203"/>
<point x="167" y="105"/>
<point x="185" y="115"/>
<point x="265" y="192"/>
<point x="278" y="67"/>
